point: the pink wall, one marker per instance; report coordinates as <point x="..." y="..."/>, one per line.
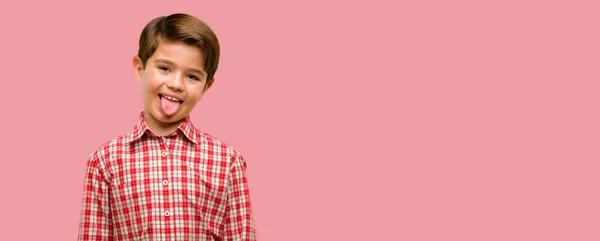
<point x="369" y="120"/>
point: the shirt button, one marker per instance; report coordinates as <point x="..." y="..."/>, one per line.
<point x="174" y="134"/>
<point x="164" y="153"/>
<point x="165" y="182"/>
<point x="167" y="213"/>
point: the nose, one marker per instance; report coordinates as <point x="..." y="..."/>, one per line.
<point x="175" y="82"/>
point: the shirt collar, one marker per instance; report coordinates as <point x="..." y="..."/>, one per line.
<point x="186" y="127"/>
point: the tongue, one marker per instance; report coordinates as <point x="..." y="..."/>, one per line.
<point x="169" y="107"/>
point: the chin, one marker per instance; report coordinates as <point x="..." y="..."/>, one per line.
<point x="179" y="115"/>
<point x="161" y="117"/>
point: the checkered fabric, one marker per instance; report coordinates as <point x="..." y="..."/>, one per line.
<point x="184" y="186"/>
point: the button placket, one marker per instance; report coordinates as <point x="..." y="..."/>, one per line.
<point x="163" y="146"/>
<point x="167" y="146"/>
<point x="165" y="153"/>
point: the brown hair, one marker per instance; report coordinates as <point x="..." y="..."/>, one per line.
<point x="185" y="28"/>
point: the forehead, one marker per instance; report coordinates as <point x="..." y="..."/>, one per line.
<point x="180" y="53"/>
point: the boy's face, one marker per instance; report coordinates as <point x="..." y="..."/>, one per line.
<point x="172" y="83"/>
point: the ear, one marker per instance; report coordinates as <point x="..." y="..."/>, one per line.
<point x="138" y="67"/>
<point x="210" y="83"/>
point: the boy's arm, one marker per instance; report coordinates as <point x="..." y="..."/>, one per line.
<point x="239" y="220"/>
<point x="95" y="220"/>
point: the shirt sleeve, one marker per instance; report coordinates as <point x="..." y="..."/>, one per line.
<point x="239" y="220"/>
<point x="95" y="219"/>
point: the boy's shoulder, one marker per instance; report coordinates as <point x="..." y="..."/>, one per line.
<point x="232" y="156"/>
<point x="209" y="141"/>
<point x="113" y="145"/>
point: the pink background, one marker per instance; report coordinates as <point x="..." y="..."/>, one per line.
<point x="360" y="120"/>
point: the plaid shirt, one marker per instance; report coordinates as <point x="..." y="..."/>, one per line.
<point x="184" y="186"/>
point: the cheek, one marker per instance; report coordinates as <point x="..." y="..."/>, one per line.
<point x="199" y="95"/>
<point x="152" y="82"/>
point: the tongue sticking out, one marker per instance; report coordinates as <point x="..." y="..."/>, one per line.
<point x="169" y="107"/>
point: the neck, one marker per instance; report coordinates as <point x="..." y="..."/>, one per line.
<point x="160" y="128"/>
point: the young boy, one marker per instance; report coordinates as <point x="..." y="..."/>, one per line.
<point x="166" y="180"/>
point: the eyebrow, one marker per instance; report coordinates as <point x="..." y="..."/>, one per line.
<point x="169" y="62"/>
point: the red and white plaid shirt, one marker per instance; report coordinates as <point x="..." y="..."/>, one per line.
<point x="184" y="186"/>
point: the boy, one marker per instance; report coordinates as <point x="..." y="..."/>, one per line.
<point x="166" y="180"/>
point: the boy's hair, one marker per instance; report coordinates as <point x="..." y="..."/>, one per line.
<point x="185" y="28"/>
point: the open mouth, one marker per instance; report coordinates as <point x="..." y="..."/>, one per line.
<point x="170" y="98"/>
<point x="169" y="104"/>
